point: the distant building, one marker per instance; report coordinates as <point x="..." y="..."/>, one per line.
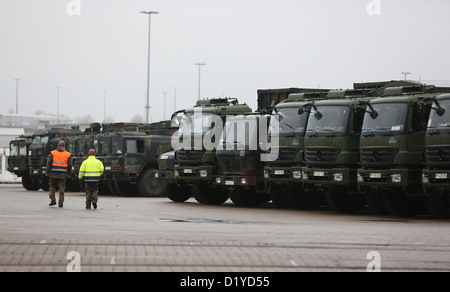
<point x="31" y="121"/>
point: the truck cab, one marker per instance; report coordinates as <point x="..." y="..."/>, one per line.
<point x="436" y="174"/>
<point x="283" y="176"/>
<point x="196" y="143"/>
<point x="392" y="149"/>
<point x="18" y="161"/>
<point x="332" y="148"/>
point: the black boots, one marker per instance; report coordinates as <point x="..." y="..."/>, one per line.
<point x="95" y="205"/>
<point x="52" y="203"/>
<point x="88" y="205"/>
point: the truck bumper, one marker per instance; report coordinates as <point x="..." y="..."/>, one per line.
<point x="392" y="178"/>
<point x="283" y="175"/>
<point x="436" y="179"/>
<point x="194" y="174"/>
<point x="334" y="176"/>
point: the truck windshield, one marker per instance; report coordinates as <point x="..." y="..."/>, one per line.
<point x="440" y="124"/>
<point x="291" y="124"/>
<point x="196" y="123"/>
<point x="390" y="121"/>
<point x="39" y="140"/>
<point x="240" y="133"/>
<point x="328" y="121"/>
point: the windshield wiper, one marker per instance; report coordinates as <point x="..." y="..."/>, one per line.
<point x="389" y="131"/>
<point x="433" y="131"/>
<point x="312" y="133"/>
<point x="333" y="134"/>
<point x="367" y="132"/>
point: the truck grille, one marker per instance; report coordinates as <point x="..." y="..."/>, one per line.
<point x="322" y="157"/>
<point x="192" y="157"/>
<point x="285" y="157"/>
<point x="438" y="157"/>
<point x="378" y="157"/>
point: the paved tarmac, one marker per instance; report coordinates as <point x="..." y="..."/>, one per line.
<point x="158" y="235"/>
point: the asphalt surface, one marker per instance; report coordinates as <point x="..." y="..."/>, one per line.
<point x="157" y="235"/>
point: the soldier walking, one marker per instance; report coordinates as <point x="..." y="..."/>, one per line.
<point x="91" y="170"/>
<point x="58" y="169"/>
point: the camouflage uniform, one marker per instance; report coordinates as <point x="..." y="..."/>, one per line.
<point x="58" y="180"/>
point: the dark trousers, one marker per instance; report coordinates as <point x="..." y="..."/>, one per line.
<point x="91" y="192"/>
<point x="54" y="185"/>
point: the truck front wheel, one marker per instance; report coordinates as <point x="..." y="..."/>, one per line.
<point x="150" y="186"/>
<point x="439" y="205"/>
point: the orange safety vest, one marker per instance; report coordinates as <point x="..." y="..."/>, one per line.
<point x="60" y="160"/>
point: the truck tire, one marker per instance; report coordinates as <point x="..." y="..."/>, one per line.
<point x="28" y="183"/>
<point x="206" y="195"/>
<point x="439" y="205"/>
<point x="279" y="198"/>
<point x="149" y="186"/>
<point x="376" y="204"/>
<point x="248" y="198"/>
<point x="124" y="189"/>
<point x="400" y="205"/>
<point x="344" y="202"/>
<point x="178" y="194"/>
<point x="304" y="200"/>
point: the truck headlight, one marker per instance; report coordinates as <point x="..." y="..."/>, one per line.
<point x="425" y="179"/>
<point x="297" y="174"/>
<point x="338" y="177"/>
<point x="396" y="178"/>
<point x="266" y="173"/>
<point x="177" y="173"/>
<point x="360" y="177"/>
<point x="203" y="173"/>
<point x="218" y="180"/>
<point x="244" y="181"/>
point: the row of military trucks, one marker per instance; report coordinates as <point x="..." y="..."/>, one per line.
<point x="129" y="152"/>
<point x="382" y="146"/>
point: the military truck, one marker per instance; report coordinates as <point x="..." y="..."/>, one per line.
<point x="436" y="175"/>
<point x="332" y="148"/>
<point x="195" y="146"/>
<point x="129" y="152"/>
<point x="18" y="161"/>
<point x="392" y="148"/>
<point x="43" y="142"/>
<point x="239" y="159"/>
<point x="283" y="175"/>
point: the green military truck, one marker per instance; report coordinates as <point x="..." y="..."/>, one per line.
<point x="43" y="142"/>
<point x="240" y="160"/>
<point x="392" y="148"/>
<point x="129" y="153"/>
<point x="18" y="161"/>
<point x="436" y="174"/>
<point x="283" y="176"/>
<point x="332" y="148"/>
<point x="196" y="143"/>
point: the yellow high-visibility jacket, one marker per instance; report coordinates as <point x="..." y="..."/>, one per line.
<point x="91" y="169"/>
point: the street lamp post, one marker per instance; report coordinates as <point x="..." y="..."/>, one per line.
<point x="17" y="95"/>
<point x="57" y="105"/>
<point x="174" y="99"/>
<point x="406" y="73"/>
<point x="147" y="106"/>
<point x="164" y="92"/>
<point x="199" y="75"/>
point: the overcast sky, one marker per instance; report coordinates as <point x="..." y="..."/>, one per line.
<point x="101" y="45"/>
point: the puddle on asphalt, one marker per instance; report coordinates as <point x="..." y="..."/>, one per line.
<point x="202" y="220"/>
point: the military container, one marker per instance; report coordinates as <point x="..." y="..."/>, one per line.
<point x="436" y="174"/>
